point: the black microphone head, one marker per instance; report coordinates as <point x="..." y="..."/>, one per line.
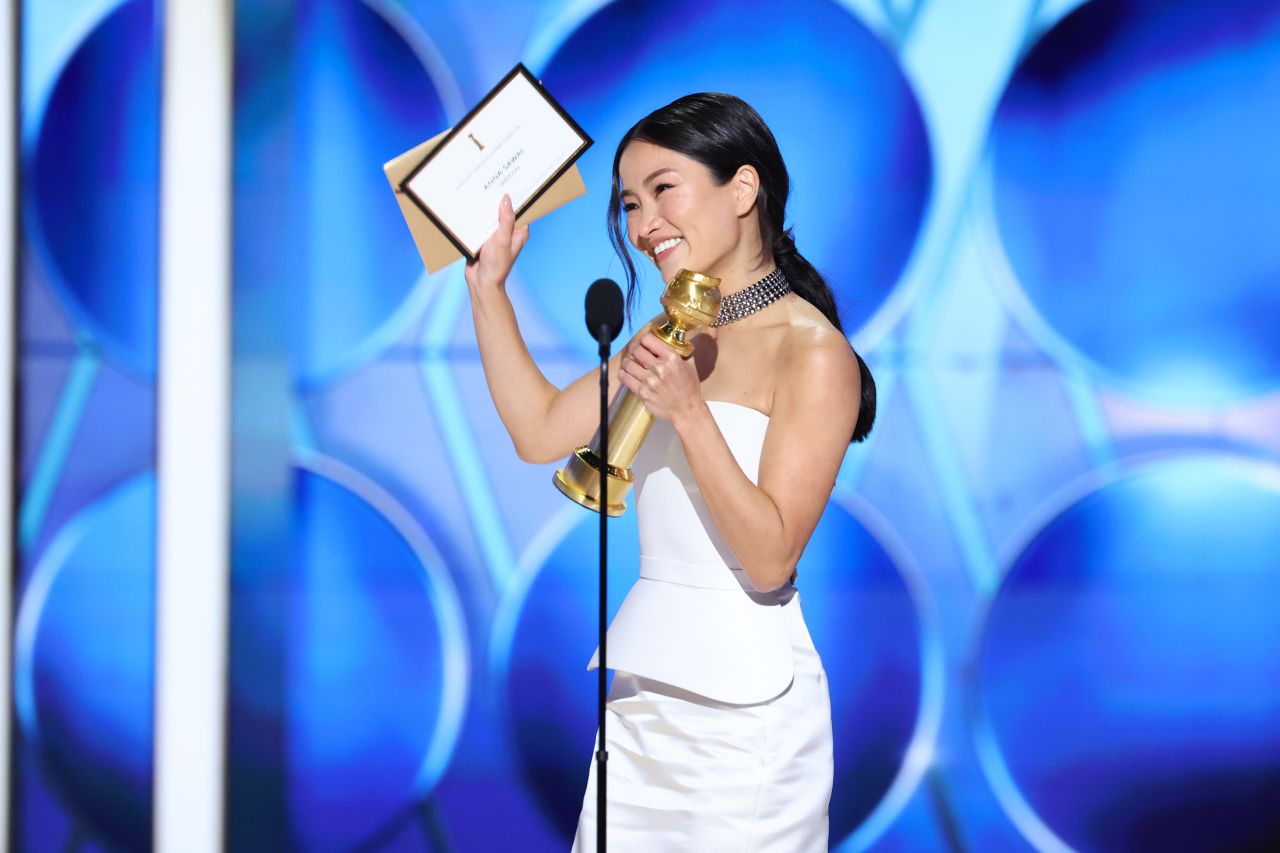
<point x="604" y="307"/>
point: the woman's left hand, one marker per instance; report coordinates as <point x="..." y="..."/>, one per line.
<point x="667" y="384"/>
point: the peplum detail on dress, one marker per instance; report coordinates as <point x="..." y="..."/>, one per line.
<point x="692" y="619"/>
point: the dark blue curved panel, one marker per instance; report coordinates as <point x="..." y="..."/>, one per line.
<point x="544" y="633"/>
<point x="375" y="662"/>
<point x="871" y="634"/>
<point x="1136" y="191"/>
<point x="84" y="581"/>
<point x="364" y="96"/>
<point x="1130" y="686"/>
<point x="84" y="656"/>
<point x="92" y="207"/>
<point x="841" y="109"/>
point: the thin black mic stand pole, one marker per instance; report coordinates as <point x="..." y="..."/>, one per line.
<point x="602" y="756"/>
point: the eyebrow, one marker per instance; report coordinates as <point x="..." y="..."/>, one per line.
<point x="651" y="176"/>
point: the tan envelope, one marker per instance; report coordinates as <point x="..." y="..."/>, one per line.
<point x="436" y="250"/>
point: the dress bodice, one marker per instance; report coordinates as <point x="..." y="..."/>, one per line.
<point x="693" y="619"/>
<point x="674" y="521"/>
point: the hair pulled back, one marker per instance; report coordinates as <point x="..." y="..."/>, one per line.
<point x="724" y="133"/>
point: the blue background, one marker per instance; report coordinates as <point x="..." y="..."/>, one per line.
<point x="1043" y="590"/>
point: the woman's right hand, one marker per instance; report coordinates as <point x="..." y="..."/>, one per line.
<point x="499" y="252"/>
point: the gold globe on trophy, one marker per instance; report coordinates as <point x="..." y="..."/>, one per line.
<point x="692" y="301"/>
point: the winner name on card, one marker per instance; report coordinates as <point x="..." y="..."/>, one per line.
<point x="517" y="140"/>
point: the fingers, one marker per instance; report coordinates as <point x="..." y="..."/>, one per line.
<point x="648" y="361"/>
<point x="638" y="381"/>
<point x="511" y="238"/>
<point x="519" y="239"/>
<point x="644" y="356"/>
<point x="653" y="344"/>
<point x="636" y="372"/>
<point x="635" y="378"/>
<point x="500" y="240"/>
<point x="641" y="375"/>
<point x="506" y="216"/>
<point x="499" y="251"/>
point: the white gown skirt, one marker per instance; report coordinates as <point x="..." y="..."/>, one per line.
<point x="687" y="773"/>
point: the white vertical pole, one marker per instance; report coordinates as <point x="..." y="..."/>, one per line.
<point x="193" y="461"/>
<point x="9" y="54"/>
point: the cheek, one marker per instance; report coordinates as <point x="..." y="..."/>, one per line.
<point x="675" y="208"/>
<point x="691" y="214"/>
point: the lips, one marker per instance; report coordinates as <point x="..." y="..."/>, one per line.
<point x="660" y="250"/>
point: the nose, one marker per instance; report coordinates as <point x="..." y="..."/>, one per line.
<point x="650" y="225"/>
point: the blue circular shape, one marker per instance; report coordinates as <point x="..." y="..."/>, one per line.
<point x="867" y="611"/>
<point x="1129" y="687"/>
<point x="376" y="662"/>
<point x="364" y="96"/>
<point x="544" y="634"/>
<point x="372" y="650"/>
<point x="93" y="198"/>
<point x="84" y="660"/>
<point x="1136" y="188"/>
<point x="860" y="613"/>
<point x="843" y="113"/>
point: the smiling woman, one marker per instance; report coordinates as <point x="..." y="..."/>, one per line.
<point x="720" y="725"/>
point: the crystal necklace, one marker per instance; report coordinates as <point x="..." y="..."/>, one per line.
<point x="751" y="299"/>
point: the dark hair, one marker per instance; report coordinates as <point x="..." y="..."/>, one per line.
<point x="724" y="133"/>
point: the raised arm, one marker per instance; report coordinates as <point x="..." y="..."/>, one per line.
<point x="545" y="423"/>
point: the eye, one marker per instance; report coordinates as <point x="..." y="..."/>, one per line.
<point x="658" y="188"/>
<point x="629" y="206"/>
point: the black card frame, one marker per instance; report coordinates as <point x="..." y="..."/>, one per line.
<point x="518" y="70"/>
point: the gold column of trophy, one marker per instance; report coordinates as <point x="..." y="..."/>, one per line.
<point x="692" y="301"/>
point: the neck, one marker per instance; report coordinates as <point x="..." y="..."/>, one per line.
<point x="743" y="276"/>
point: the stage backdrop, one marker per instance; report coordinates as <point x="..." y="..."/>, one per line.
<point x="1044" y="590"/>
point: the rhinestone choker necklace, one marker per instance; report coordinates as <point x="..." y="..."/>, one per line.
<point x="751" y="299"/>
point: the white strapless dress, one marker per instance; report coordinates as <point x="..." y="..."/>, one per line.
<point x="718" y="723"/>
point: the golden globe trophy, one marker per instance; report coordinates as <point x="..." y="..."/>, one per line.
<point x="692" y="301"/>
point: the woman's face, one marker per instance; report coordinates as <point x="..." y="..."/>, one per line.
<point x="675" y="213"/>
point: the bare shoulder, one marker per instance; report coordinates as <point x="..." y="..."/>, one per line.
<point x="817" y="364"/>
<point x="812" y="344"/>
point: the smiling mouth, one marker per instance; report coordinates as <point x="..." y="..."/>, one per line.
<point x="665" y="247"/>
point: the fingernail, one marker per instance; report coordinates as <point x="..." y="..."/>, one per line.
<point x="506" y="200"/>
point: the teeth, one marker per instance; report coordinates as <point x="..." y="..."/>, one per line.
<point x="666" y="244"/>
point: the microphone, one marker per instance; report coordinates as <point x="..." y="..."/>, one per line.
<point x="604" y="308"/>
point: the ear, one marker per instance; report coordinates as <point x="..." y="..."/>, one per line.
<point x="746" y="186"/>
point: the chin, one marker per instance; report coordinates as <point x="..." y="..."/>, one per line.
<point x="670" y="267"/>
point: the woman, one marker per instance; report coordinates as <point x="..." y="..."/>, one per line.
<point x="719" y="728"/>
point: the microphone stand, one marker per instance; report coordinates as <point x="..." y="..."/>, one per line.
<point x="602" y="756"/>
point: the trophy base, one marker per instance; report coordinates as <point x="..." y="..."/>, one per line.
<point x="579" y="481"/>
